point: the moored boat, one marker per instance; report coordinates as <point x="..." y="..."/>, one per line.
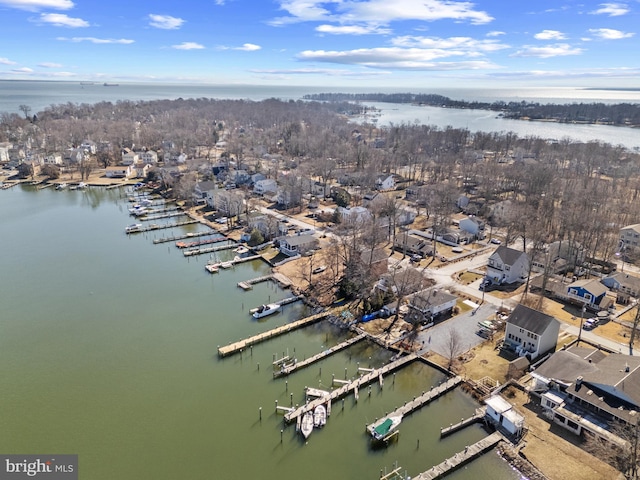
<point x="61" y="186"/>
<point x="381" y="430"/>
<point x="212" y="267"/>
<point x="135" y="227"/>
<point x="306" y="425"/>
<point x="264" y="310"/>
<point x="319" y="416"/>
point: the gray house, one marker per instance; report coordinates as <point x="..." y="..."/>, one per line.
<point x="531" y="332"/>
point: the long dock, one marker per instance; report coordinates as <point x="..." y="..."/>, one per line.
<point x="461" y="458"/>
<point x="155" y="226"/>
<point x="425" y="398"/>
<point x="354" y="385"/>
<point x="287" y="369"/>
<point x="477" y="417"/>
<point x="182" y="237"/>
<point x="160" y="216"/>
<point x="201" y="251"/>
<point x="247" y="342"/>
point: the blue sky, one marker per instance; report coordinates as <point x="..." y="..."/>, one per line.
<point x="385" y="43"/>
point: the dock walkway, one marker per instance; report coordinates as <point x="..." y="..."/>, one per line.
<point x="477" y="417"/>
<point x="461" y="458"/>
<point x="162" y="226"/>
<point x="425" y="398"/>
<point x="354" y="385"/>
<point x="184" y="236"/>
<point x="201" y="251"/>
<point x="290" y="368"/>
<point x="247" y="342"/>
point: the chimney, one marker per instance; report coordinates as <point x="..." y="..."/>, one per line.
<point x="579" y="381"/>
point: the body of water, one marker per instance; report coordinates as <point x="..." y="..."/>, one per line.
<point x="108" y="350"/>
<point x="40" y="94"/>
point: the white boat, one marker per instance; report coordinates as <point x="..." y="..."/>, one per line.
<point x="306" y="425"/>
<point x="212" y="267"/>
<point x="138" y="210"/>
<point x="136" y="227"/>
<point x="226" y="264"/>
<point x="264" y="310"/>
<point x="383" y="428"/>
<point x="61" y="186"/>
<point x="241" y="250"/>
<point x="319" y="416"/>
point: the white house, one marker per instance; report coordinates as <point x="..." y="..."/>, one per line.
<point x="353" y="214"/>
<point x="267" y="185"/>
<point x="507" y="265"/>
<point x="129" y="157"/>
<point x="630" y="236"/>
<point x="385" y="182"/>
<point x="503" y="415"/>
<point x="89" y="146"/>
<point x="150" y="157"/>
<point x="474" y="226"/>
<point x="53" y="159"/>
<point x="202" y="190"/>
<point x="4" y="151"/>
<point x="119" y="171"/>
<point x="530" y="332"/>
<point x="429" y="303"/>
<point x="297" y="245"/>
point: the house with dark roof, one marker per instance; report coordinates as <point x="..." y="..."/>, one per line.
<point x="624" y="283"/>
<point x="297" y="244"/>
<point x="412" y="243"/>
<point x="507" y="265"/>
<point x="427" y="304"/>
<point x="531" y="332"/>
<point x="584" y="389"/>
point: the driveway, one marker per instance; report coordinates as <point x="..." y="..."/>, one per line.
<point x="437" y="338"/>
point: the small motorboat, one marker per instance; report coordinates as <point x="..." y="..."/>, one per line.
<point x="133" y="228"/>
<point x="319" y="416"/>
<point x="264" y="310"/>
<point x="384" y="428"/>
<point x="306" y="425"/>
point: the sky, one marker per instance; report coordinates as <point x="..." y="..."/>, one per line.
<point x="368" y="43"/>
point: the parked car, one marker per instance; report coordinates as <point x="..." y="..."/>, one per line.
<point x="590" y="324"/>
<point x="319" y="269"/>
<point x="416" y="258"/>
<point x="495" y="241"/>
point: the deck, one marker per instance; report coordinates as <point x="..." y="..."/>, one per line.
<point x="261" y="337"/>
<point x="290" y="368"/>
<point x="461" y="458"/>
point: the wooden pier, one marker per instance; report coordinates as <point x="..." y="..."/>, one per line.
<point x="354" y="385"/>
<point x="454" y="427"/>
<point x="289" y="368"/>
<point x="185" y="236"/>
<point x="201" y="251"/>
<point x="162" y="226"/>
<point x="160" y="216"/>
<point x="289" y="327"/>
<point x="248" y="284"/>
<point x="461" y="458"/>
<point x="425" y="398"/>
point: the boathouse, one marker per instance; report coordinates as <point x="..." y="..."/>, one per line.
<point x="502" y="414"/>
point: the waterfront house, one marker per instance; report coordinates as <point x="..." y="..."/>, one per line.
<point x="202" y="190"/>
<point x="226" y="202"/>
<point x="129" y="157"/>
<point x="502" y="414"/>
<point x="141" y="169"/>
<point x="297" y="244"/>
<point x="119" y="171"/>
<point x="531" y="332"/>
<point x="589" y="293"/>
<point x="149" y="156"/>
<point x="427" y="304"/>
<point x="507" y="265"/>
<point x="584" y="389"/>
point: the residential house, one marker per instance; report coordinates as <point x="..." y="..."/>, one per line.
<point x="418" y="194"/>
<point x="502" y="414"/>
<point x="385" y="182"/>
<point x="507" y="265"/>
<point x="202" y="190"/>
<point x="376" y="261"/>
<point x="630" y="236"/>
<point x="119" y="171"/>
<point x="53" y="159"/>
<point x="73" y="155"/>
<point x="4" y="151"/>
<point x="226" y="202"/>
<point x="266" y="185"/>
<point x="353" y="214"/>
<point x="584" y="389"/>
<point x="474" y="226"/>
<point x="623" y="283"/>
<point x="427" y="304"/>
<point x="413" y="244"/>
<point x="589" y="293"/>
<point x="297" y="244"/>
<point x="141" y="169"/>
<point x="267" y="225"/>
<point x="129" y="157"/>
<point x="149" y="156"/>
<point x="531" y="332"/>
<point x="89" y="147"/>
<point x="240" y="177"/>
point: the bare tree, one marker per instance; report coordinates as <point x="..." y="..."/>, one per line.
<point x="624" y="454"/>
<point x="453" y="346"/>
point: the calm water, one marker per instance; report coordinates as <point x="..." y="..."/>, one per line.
<point x="108" y="350"/>
<point x="40" y="94"/>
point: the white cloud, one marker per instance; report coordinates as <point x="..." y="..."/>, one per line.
<point x="22" y="70"/>
<point x="398" y="58"/>
<point x="36" y="5"/>
<point x="50" y="65"/>
<point x="188" y="46"/>
<point x="548" y="51"/>
<point x="165" y="22"/>
<point x="378" y="12"/>
<point x="550" y="35"/>
<point x="611" y="9"/>
<point x="62" y="20"/>
<point x="455" y="45"/>
<point x="246" y="47"/>
<point x="495" y="33"/>
<point x="219" y="2"/>
<point x="352" y="29"/>
<point x="6" y="61"/>
<point x="123" y="41"/>
<point x="609" y="34"/>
